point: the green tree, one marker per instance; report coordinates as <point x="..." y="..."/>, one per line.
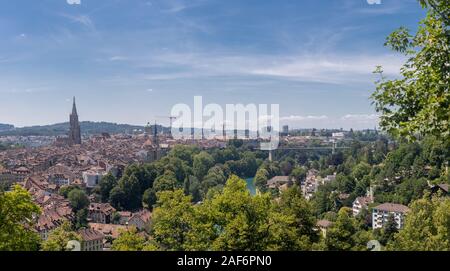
<point x="216" y="176"/>
<point x="202" y="163"/>
<point x="343" y="235"/>
<point x="149" y="198"/>
<point x="261" y="178"/>
<point x="418" y="102"/>
<point x="165" y="182"/>
<point x="78" y="199"/>
<point x="299" y="175"/>
<point x="194" y="189"/>
<point x="286" y="167"/>
<point x="389" y="229"/>
<point x="185" y="153"/>
<point x="132" y="196"/>
<point x="58" y="238"/>
<point x="81" y="217"/>
<point x="296" y="230"/>
<point x="360" y="171"/>
<point x="107" y="183"/>
<point x="65" y="190"/>
<point x="128" y="240"/>
<point x="16" y="215"/>
<point x="117" y="197"/>
<point x="172" y="220"/>
<point x="427" y="226"/>
<point x="234" y="220"/>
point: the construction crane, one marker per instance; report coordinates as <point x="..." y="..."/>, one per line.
<point x="171" y="119"/>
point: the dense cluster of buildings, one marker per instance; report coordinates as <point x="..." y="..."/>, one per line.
<point x="102" y="227"/>
<point x="83" y="162"/>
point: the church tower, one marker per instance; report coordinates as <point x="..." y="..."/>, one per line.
<point x="75" y="132"/>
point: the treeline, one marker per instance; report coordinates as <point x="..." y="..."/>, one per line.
<point x="6" y="127"/>
<point x="59" y="129"/>
<point x="194" y="171"/>
<point x="233" y="220"/>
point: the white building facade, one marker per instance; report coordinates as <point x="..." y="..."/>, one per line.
<point x="381" y="213"/>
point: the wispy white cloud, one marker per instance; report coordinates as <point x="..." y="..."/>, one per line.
<point x="333" y="69"/>
<point x="85" y="20"/>
<point x="361" y="117"/>
<point x="294" y="118"/>
<point x="29" y="90"/>
<point x="175" y="6"/>
<point x="355" y="121"/>
<point x="117" y="58"/>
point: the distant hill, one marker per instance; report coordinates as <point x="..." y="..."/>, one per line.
<point x="6" y="127"/>
<point x="87" y="127"/>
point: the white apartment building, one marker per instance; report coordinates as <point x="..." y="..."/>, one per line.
<point x="92" y="177"/>
<point x="361" y="203"/>
<point x="381" y="213"/>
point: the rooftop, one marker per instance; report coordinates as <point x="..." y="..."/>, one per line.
<point x="392" y="207"/>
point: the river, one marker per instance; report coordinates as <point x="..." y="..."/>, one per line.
<point x="251" y="186"/>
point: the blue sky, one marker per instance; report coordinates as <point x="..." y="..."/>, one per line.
<point x="128" y="61"/>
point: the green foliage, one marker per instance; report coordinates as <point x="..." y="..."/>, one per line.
<point x="149" y="198"/>
<point x="215" y="177"/>
<point x="232" y="219"/>
<point x="172" y="220"/>
<point x="344" y="234"/>
<point x="298" y="230"/>
<point x="323" y="200"/>
<point x="419" y="102"/>
<point x="239" y="221"/>
<point x="78" y="199"/>
<point x="165" y="182"/>
<point x="129" y="194"/>
<point x="16" y="216"/>
<point x="202" y="163"/>
<point x="267" y="171"/>
<point x="184" y="153"/>
<point x="388" y="231"/>
<point x="107" y="183"/>
<point x="427" y="227"/>
<point x="129" y="240"/>
<point x="117" y="197"/>
<point x="299" y="174"/>
<point x="261" y="178"/>
<point x="59" y="238"/>
<point x="65" y="190"/>
<point x="59" y="129"/>
<point x="81" y="218"/>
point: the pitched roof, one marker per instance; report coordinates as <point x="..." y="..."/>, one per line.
<point x="443" y="186"/>
<point x="392" y="207"/>
<point x="102" y="207"/>
<point x="90" y="234"/>
<point x="108" y="229"/>
<point x="144" y="215"/>
<point x="278" y="180"/>
<point x="324" y="223"/>
<point x="364" y="201"/>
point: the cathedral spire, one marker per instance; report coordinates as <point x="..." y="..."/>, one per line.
<point x="74" y="107"/>
<point x="75" y="132"/>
